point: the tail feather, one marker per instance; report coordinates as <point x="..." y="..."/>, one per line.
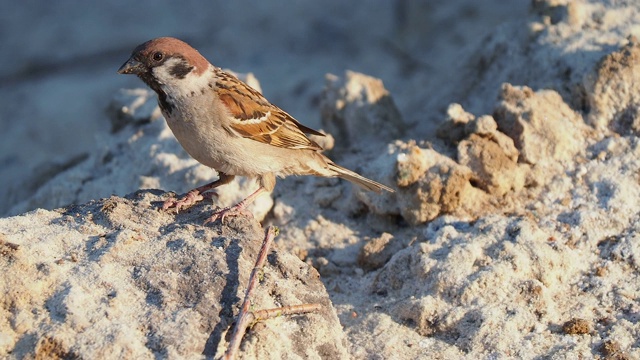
<point x="358" y="179"/>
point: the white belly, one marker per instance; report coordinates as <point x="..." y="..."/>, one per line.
<point x="211" y="145"/>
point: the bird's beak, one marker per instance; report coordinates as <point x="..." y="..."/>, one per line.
<point x="132" y="66"/>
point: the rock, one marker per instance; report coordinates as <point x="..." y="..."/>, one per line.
<point x="376" y="252"/>
<point x="541" y="125"/>
<point x="429" y="185"/>
<point x="358" y="109"/>
<point x="493" y="171"/>
<point x="493" y="158"/>
<point x="627" y="122"/>
<point x="554" y="11"/>
<point x="486" y="125"/>
<point x="576" y="326"/>
<point x="611" y="349"/>
<point x="453" y="129"/>
<point x="437" y="191"/>
<point x="613" y="88"/>
<point x="466" y="278"/>
<point x="461" y="280"/>
<point x="488" y="153"/>
<point x="412" y="164"/>
<point x="116" y="278"/>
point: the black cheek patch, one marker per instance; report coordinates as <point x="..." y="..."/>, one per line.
<point x="180" y="70"/>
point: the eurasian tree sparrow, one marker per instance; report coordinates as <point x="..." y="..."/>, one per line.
<point x="225" y="124"/>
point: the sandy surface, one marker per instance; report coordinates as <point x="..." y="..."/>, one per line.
<point x="510" y="133"/>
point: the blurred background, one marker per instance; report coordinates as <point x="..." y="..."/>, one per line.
<point x="58" y="69"/>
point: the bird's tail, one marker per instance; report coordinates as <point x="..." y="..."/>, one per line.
<point x="358" y="179"/>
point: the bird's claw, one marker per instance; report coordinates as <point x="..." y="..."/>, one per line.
<point x="230" y="211"/>
<point x="192" y="198"/>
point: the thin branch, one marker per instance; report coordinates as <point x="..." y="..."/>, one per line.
<point x="245" y="317"/>
<point x="285" y="310"/>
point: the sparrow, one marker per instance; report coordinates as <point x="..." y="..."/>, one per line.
<point x="225" y="124"/>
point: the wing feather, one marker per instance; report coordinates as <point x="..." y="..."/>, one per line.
<point x="256" y="118"/>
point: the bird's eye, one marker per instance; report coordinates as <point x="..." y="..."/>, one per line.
<point x="157" y="56"/>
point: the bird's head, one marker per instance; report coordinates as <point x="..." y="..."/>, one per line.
<point x="165" y="63"/>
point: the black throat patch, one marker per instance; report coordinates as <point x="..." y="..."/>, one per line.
<point x="165" y="106"/>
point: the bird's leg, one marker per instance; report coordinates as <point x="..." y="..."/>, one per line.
<point x="197" y="194"/>
<point x="237" y="209"/>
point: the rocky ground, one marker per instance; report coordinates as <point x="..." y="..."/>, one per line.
<point x="513" y="232"/>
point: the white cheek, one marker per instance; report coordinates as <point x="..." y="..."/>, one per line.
<point x="161" y="73"/>
<point x="184" y="87"/>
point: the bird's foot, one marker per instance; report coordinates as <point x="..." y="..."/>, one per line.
<point x="190" y="199"/>
<point x="235" y="210"/>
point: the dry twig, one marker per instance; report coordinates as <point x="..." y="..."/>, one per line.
<point x="285" y="310"/>
<point x="246" y="317"/>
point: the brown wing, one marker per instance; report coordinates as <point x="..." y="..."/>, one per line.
<point x="257" y="119"/>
